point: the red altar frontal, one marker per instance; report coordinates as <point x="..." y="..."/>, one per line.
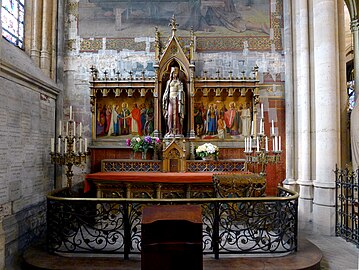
<point x="174" y="185"/>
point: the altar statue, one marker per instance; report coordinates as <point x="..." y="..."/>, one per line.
<point x="246" y="120"/>
<point x="173" y="104"/>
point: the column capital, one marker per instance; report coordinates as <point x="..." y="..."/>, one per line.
<point x="354" y="25"/>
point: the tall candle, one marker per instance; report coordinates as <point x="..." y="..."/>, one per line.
<point x="252" y="128"/>
<point x="65" y="150"/>
<point x="257" y="144"/>
<point x="67" y="128"/>
<point x="279" y="144"/>
<point x="59" y="145"/>
<point x="52" y="145"/>
<point x="60" y="128"/>
<point x="266" y="144"/>
<point x="262" y="111"/>
<point x="250" y="144"/>
<point x="70" y="112"/>
<point x="74" y="128"/>
<point x="272" y="127"/>
<point x="80" y="145"/>
<point x="85" y="144"/>
<point x="276" y="143"/>
<point x="74" y="147"/>
<point x="260" y="126"/>
<point x="80" y="131"/>
<point x="273" y="146"/>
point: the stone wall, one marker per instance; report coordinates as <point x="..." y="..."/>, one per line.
<point x="27" y="122"/>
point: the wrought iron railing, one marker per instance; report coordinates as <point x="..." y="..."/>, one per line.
<point x="230" y="225"/>
<point x="347" y="204"/>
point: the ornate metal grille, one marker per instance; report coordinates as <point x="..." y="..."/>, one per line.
<point x="346" y="218"/>
<point x="230" y="225"/>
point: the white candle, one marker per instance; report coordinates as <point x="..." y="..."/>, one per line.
<point x="70" y="112"/>
<point x="279" y="145"/>
<point x="52" y="145"/>
<point x="260" y="126"/>
<point x="59" y="145"/>
<point x="60" y="128"/>
<point x="276" y="143"/>
<point x="80" y="131"/>
<point x="262" y="111"/>
<point x="252" y="129"/>
<point x="74" y="129"/>
<point x="85" y="145"/>
<point x="80" y="143"/>
<point x="67" y="128"/>
<point x="273" y="145"/>
<point x="250" y="144"/>
<point x="257" y="144"/>
<point x="74" y="147"/>
<point x="266" y="144"/>
<point x="272" y="127"/>
<point x="65" y="151"/>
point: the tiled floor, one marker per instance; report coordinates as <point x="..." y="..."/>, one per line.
<point x="337" y="253"/>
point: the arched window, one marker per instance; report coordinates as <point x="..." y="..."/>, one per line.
<point x="12" y="19"/>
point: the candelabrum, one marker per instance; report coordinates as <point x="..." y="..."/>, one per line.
<point x="256" y="148"/>
<point x="71" y="148"/>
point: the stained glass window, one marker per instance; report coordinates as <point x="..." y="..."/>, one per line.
<point x="12" y="19"/>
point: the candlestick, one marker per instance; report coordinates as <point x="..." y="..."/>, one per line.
<point x="68" y="155"/>
<point x="52" y="145"/>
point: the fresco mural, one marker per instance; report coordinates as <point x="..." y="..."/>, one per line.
<point x="119" y="18"/>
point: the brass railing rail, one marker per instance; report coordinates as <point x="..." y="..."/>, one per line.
<point x="251" y="225"/>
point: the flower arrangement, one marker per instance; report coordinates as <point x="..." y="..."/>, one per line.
<point x="142" y="144"/>
<point x="206" y="150"/>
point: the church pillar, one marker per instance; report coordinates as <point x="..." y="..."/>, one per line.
<point x="45" y="54"/>
<point x="36" y="31"/>
<point x="303" y="110"/>
<point x="289" y="97"/>
<point x="326" y="112"/>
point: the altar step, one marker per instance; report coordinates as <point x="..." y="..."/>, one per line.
<point x="308" y="256"/>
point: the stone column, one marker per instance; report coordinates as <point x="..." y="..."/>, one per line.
<point x="289" y="96"/>
<point x="46" y="41"/>
<point x="36" y="31"/>
<point x="326" y="109"/>
<point x="354" y="25"/>
<point x="302" y="94"/>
